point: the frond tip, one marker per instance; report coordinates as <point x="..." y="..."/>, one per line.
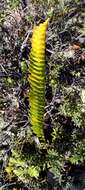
<point x="37" y="78"/>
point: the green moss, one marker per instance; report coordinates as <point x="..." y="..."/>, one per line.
<point x="55" y="162"/>
<point x="27" y="166"/>
<point x="21" y="167"/>
<point x="13" y="4"/>
<point x="23" y="66"/>
<point x="73" y="107"/>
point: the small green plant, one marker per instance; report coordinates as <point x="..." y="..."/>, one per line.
<point x="18" y="166"/>
<point x="13" y="4"/>
<point x="55" y="162"/>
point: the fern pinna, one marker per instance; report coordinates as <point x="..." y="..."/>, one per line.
<point x="37" y="78"/>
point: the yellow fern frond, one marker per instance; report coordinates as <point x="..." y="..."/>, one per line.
<point x="37" y="78"/>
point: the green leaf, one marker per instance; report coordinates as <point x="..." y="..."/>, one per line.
<point x="33" y="171"/>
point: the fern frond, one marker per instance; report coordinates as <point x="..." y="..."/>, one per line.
<point x="37" y="78"/>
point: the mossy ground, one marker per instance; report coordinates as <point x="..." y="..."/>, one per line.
<point x="57" y="163"/>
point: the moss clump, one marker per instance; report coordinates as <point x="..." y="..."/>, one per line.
<point x="33" y="163"/>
